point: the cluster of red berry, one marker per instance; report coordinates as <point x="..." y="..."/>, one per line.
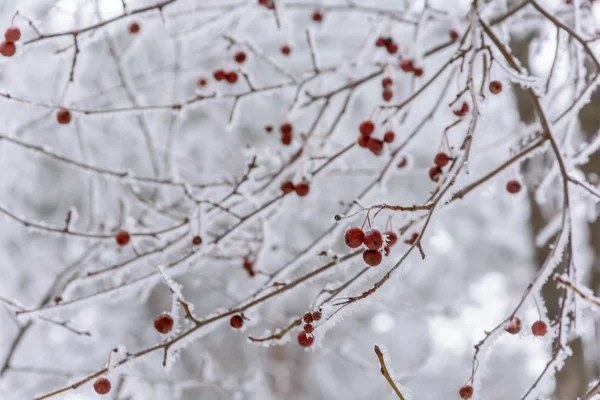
<point x="462" y="111"/>
<point x="374" y="145"/>
<point x="388" y="43"/>
<point x="305" y="337"/>
<point x="387" y="83"/>
<point x="441" y="160"/>
<point x="8" y="47"/>
<point x="408" y="65"/>
<point x="231" y="76"/>
<point x="301" y="188"/>
<point x="373" y="241"/>
<point x="286" y="130"/>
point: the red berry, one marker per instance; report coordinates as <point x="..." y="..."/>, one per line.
<point x="386" y="250"/>
<point x="375" y="145"/>
<point x="386" y="82"/>
<point x="102" y="386"/>
<point x="495" y="87"/>
<point x="513" y="186"/>
<point x="539" y="328"/>
<point x="240" y="57"/>
<point x="305" y="340"/>
<point x="231" y="77"/>
<point x="514" y="327"/>
<point x="287" y="187"/>
<point x="286" y="128"/>
<point x="8" y="48"/>
<point x="219" y="74"/>
<point x="307" y="318"/>
<point x="389" y="137"/>
<point x="201" y="82"/>
<point x="387" y="95"/>
<point x="122" y="238"/>
<point x="196" y="240"/>
<point x="418" y="71"/>
<point x="317" y="16"/>
<point x="236" y="321"/>
<point x="12" y="34"/>
<point x="463" y="110"/>
<point x="403" y="163"/>
<point x="392" y="238"/>
<point x="435" y="173"/>
<point x="269" y="128"/>
<point x="302" y="189"/>
<point x="134" y="27"/>
<point x="392" y="48"/>
<point x="363" y="141"/>
<point x="63" y="116"/>
<point x="380" y="41"/>
<point x="441" y="159"/>
<point x="407" y="65"/>
<point x="354" y="237"/>
<point x="286" y="50"/>
<point x="372" y="257"/>
<point x="453" y="35"/>
<point x="57" y="299"/>
<point x="373" y="239"/>
<point x="366" y="128"/>
<point x="466" y="392"/>
<point x="249" y="266"/>
<point x="286" y="139"/>
<point x="308" y="328"/>
<point x="316" y="316"/>
<point x="163" y="323"/>
<point x="412" y="239"/>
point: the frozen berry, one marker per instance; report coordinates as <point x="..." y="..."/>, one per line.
<point x="307" y="318"/>
<point x="268" y="128"/>
<point x="236" y="321"/>
<point x="219" y="74"/>
<point x="453" y="35"/>
<point x="231" y="77"/>
<point x="389" y="137"/>
<point x="380" y="42"/>
<point x="513" y="186"/>
<point x="392" y="238"/>
<point x="418" y="71"/>
<point x="441" y="159"/>
<point x="514" y="326"/>
<point x="240" y="57"/>
<point x="354" y="237"/>
<point x="163" y="323"/>
<point x="316" y="316"/>
<point x="372" y="257"/>
<point x="539" y="328"/>
<point x="134" y="27"/>
<point x="466" y="392"/>
<point x="407" y="65"/>
<point x="197" y="241"/>
<point x="286" y="50"/>
<point x="387" y="82"/>
<point x="392" y="48"/>
<point x="286" y="128"/>
<point x="249" y="266"/>
<point x="63" y="116"/>
<point x="286" y="139"/>
<point x="373" y="239"/>
<point x="202" y="82"/>
<point x="412" y="239"/>
<point x="308" y="328"/>
<point x="462" y="110"/>
<point x="302" y="189"/>
<point x="57" y="299"/>
<point x="317" y="16"/>
<point x="387" y="95"/>
<point x="12" y="34"/>
<point x="495" y="87"/>
<point x="102" y="385"/>
<point x="366" y="128"/>
<point x="435" y="173"/>
<point x="386" y="250"/>
<point x="287" y="187"/>
<point x="305" y="340"/>
<point x="8" y="48"/>
<point x="375" y="145"/>
<point x="403" y="163"/>
<point x="363" y="141"/>
<point x="122" y="238"/>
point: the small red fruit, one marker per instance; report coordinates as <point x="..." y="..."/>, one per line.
<point x="269" y="128"/>
<point x="286" y="50"/>
<point x="354" y="237"/>
<point x="407" y="65"/>
<point x="386" y="82"/>
<point x="196" y="240"/>
<point x="363" y="141"/>
<point x="219" y="74"/>
<point x="231" y="77"/>
<point x="286" y="139"/>
<point x="373" y="239"/>
<point x="236" y="321"/>
<point x="302" y="189"/>
<point x="441" y="159"/>
<point x="453" y="35"/>
<point x="466" y="392"/>
<point x="389" y="137"/>
<point x="286" y="128"/>
<point x="513" y="186"/>
<point x="392" y="238"/>
<point x="514" y="327"/>
<point x="316" y="316"/>
<point x="12" y="34"/>
<point x="463" y="110"/>
<point x="249" y="266"/>
<point x="366" y="128"/>
<point x="418" y="71"/>
<point x="63" y="116"/>
<point x="392" y="48"/>
<point x="317" y="16"/>
<point x="495" y="87"/>
<point x="386" y="250"/>
<point x="307" y="318"/>
<point x="287" y="187"/>
<point x="134" y="27"/>
<point x="380" y="41"/>
<point x="403" y="163"/>
<point x="102" y="386"/>
<point x="372" y="257"/>
<point x="308" y="328"/>
<point x="122" y="238"/>
<point x="375" y="145"/>
<point x="202" y="82"/>
<point x="412" y="239"/>
<point x="305" y="340"/>
<point x="8" y="48"/>
<point x="163" y="323"/>
<point x="539" y="328"/>
<point x="387" y="95"/>
<point x="435" y="173"/>
<point x="240" y="57"/>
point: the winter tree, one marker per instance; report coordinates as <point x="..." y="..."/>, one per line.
<point x="291" y="199"/>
